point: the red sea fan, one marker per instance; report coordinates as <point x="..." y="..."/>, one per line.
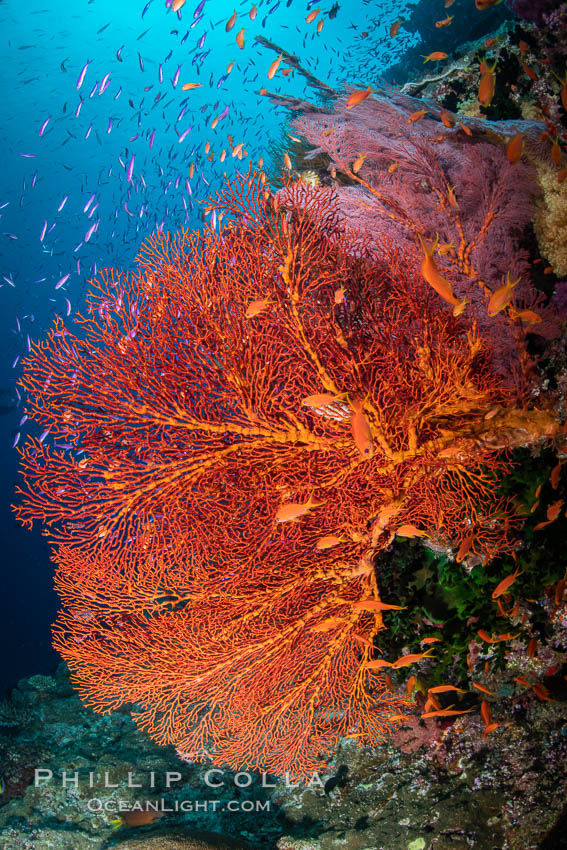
<point x="235" y="635"/>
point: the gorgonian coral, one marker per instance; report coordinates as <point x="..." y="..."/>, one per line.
<point x="249" y="419"/>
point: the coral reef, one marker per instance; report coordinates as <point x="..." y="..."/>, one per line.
<point x="550" y="219"/>
<point x="110" y="767"/>
<point x="189" y="587"/>
<point x="454" y="785"/>
<point x="422" y="178"/>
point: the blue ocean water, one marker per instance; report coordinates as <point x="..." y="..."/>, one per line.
<point x="94" y="111"/>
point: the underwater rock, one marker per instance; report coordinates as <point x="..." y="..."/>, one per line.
<point x="172" y="841"/>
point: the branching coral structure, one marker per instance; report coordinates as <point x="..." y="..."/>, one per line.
<point x="238" y="428"/>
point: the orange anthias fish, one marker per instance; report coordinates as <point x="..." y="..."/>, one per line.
<point x="311" y="16"/>
<point x="240" y="38"/>
<point x="527" y="316"/>
<point x="486" y="637"/>
<point x="328" y="624"/>
<point x="395" y="28"/>
<point x="189" y="86"/>
<point x="447" y="118"/>
<point x="451" y="197"/>
<point x="256" y="307"/>
<point x="293" y="510"/>
<point x="413" y="658"/>
<point x="515" y="148"/>
<point x="253" y="12"/>
<point x="231" y="21"/>
<point x="386" y="513"/>
<point x="554" y="510"/>
<point x="555" y="473"/>
<point x="541" y="692"/>
<point x="445" y="22"/>
<point x="361" y="639"/>
<point x="465" y="129"/>
<point x="500" y="299"/>
<point x="358" y="96"/>
<point x="417" y="116"/>
<point x="487" y="83"/>
<point x="357" y="164"/>
<point x="529" y="71"/>
<point x="409" y="530"/>
<point x="328" y="541"/>
<point x="360" y="429"/>
<point x="482" y="5"/>
<point x="443" y="689"/>
<point x="464" y="548"/>
<point x="177" y="5"/>
<point x="436" y="56"/>
<point x="483" y="689"/>
<point x="445" y="712"/>
<point x="377" y="664"/>
<point x="272" y="71"/>
<point x="376" y="605"/>
<point x="137" y="817"/>
<point x="318" y="400"/>
<point x="411" y="685"/>
<point x="486" y="713"/>
<point x="429" y="271"/>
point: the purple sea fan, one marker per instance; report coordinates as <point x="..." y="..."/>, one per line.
<point x="533" y="10"/>
<point x="420" y="178"/>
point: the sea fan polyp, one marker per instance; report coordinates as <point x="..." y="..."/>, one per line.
<point x="233" y="633"/>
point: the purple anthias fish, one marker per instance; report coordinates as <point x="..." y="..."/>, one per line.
<point x="82" y="75"/>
